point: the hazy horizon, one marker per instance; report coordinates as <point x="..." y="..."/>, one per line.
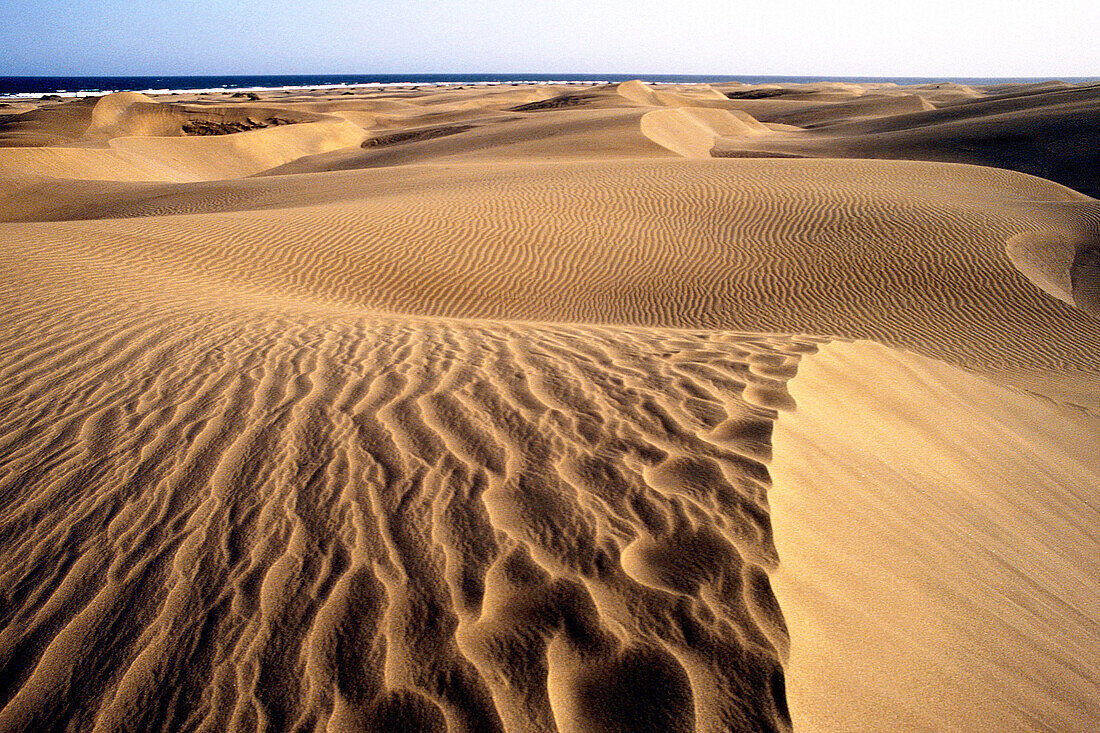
<point x="564" y="76"/>
<point x="861" y="38"/>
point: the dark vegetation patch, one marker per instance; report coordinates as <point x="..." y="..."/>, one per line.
<point x="211" y="127"/>
<point x="565" y="100"/>
<point x="759" y="93"/>
<point x="408" y="136"/>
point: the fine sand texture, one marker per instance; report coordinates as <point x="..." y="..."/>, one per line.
<point x="552" y="408"/>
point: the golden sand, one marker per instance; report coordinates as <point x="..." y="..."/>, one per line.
<point x="552" y="408"/>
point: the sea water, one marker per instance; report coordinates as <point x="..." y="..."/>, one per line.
<point x="74" y="86"/>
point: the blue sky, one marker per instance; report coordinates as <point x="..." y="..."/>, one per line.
<point x="853" y="37"/>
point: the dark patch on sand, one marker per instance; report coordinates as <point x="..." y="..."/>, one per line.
<point x="211" y="127"/>
<point x="408" y="136"/>
<point x="759" y="94"/>
<point x="565" y="100"/>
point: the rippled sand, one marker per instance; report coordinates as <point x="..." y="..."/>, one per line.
<point x="537" y="408"/>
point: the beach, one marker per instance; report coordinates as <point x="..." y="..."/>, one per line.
<point x="552" y="407"/>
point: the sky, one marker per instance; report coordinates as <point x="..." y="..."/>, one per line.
<point x="957" y="38"/>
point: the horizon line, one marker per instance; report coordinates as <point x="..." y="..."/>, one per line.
<point x="548" y="73"/>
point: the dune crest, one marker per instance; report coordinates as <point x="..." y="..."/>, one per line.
<point x="639" y="92"/>
<point x="178" y="159"/>
<point x="238" y="155"/>
<point x="110" y="109"/>
<point x="132" y="137"/>
<point x="692" y="131"/>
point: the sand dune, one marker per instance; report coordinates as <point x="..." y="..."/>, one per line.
<point x="664" y="96"/>
<point x="692" y="131"/>
<point x="330" y="518"/>
<point x="865" y="107"/>
<point x="771" y="242"/>
<point x="181" y="159"/>
<point x="1044" y="132"/>
<point x="507" y="408"/>
<point x="899" y="473"/>
<point x="147" y="141"/>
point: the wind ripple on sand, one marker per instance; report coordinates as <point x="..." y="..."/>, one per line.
<point x="254" y="475"/>
<point x="910" y="254"/>
<point x="268" y="519"/>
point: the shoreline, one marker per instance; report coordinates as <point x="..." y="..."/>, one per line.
<point x="519" y="80"/>
<point x="300" y="88"/>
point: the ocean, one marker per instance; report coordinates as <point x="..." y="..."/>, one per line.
<point x="37" y="86"/>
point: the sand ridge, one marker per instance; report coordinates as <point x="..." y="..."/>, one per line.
<point x="506" y="408"/>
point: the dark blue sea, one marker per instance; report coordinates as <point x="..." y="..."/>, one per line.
<point x="34" y="86"/>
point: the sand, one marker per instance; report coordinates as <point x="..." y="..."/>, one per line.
<point x="551" y="408"/>
<point x="961" y="569"/>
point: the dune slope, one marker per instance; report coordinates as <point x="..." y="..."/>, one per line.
<point x="274" y="517"/>
<point x="944" y="526"/>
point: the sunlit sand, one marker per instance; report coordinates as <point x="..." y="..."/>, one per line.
<point x="551" y="408"/>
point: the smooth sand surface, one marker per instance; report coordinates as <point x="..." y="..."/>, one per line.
<point x="946" y="527"/>
<point x="551" y="408"/>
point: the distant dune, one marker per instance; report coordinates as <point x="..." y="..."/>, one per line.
<point x="589" y="408"/>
